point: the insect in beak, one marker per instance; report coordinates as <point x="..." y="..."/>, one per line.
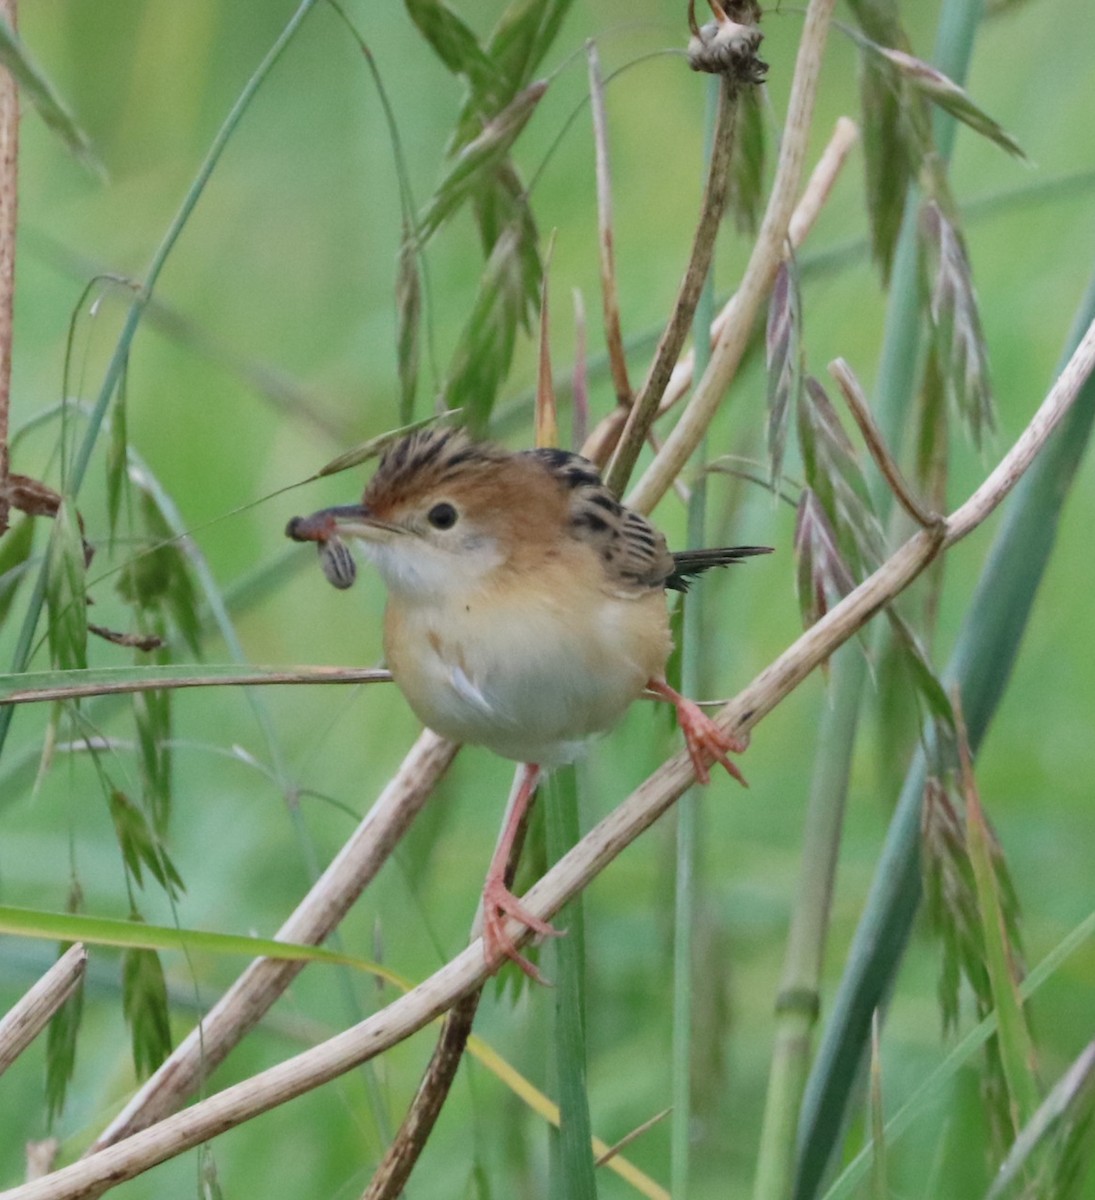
<point x="346" y="520"/>
<point x="326" y="528"/>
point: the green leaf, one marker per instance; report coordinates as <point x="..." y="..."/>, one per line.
<point x="15" y="57"/>
<point x="523" y="36"/>
<point x="925" y="1098"/>
<point x="144" y="1003"/>
<point x="1016" y="1045"/>
<point x="117" y="455"/>
<point x="484" y="352"/>
<point x="479" y="156"/>
<point x="457" y="46"/>
<point x="61" y="1037"/>
<point x="746" y="191"/>
<point x="936" y="87"/>
<point x="573" y="1180"/>
<point x="65" y="1024"/>
<point x="159" y="579"/>
<point x="107" y="931"/>
<point x="408" y="302"/>
<point x="145" y="1006"/>
<point x="140" y="845"/>
<point x="152" y="717"/>
<point x="15" y="548"/>
<point x="66" y="598"/>
<point x="1065" y="1113"/>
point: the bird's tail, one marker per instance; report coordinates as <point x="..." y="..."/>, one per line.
<point x="690" y="563"/>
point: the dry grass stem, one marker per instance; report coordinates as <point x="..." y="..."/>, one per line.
<point x="644" y="410"/>
<point x="872" y="435"/>
<point x="768" y="252"/>
<point x="40" y="1157"/>
<point x="579" y="866"/>
<point x="628" y="1138"/>
<point x="610" y="303"/>
<point x="30" y="1015"/>
<point x="243" y="1005"/>
<point x="406" y="1148"/>
<point x="818" y="188"/>
<point x="239" y="678"/>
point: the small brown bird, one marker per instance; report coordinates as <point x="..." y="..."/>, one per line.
<point x="526" y="611"/>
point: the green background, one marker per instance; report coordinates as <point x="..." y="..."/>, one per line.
<point x="288" y="264"/>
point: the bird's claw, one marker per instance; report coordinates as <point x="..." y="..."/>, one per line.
<point x="706" y="742"/>
<point x="498" y="904"/>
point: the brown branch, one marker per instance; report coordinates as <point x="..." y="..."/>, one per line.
<point x="598" y="447"/>
<point x="30" y="1015"/>
<point x="9" y="211"/>
<point x="243" y="1005"/>
<point x="586" y="860"/>
<point x="645" y="408"/>
<point x="768" y="253"/>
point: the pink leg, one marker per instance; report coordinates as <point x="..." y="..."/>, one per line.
<point x="706" y="742"/>
<point x="499" y="902"/>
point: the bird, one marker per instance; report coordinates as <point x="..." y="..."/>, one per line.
<point x="526" y="611"/>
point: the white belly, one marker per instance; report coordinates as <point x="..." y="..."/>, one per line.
<point x="531" y="684"/>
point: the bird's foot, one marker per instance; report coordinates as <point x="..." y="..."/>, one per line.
<point x="706" y="742"/>
<point x="498" y="904"/>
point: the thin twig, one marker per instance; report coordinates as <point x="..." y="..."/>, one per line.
<point x="9" y="211"/>
<point x="872" y="435"/>
<point x="98" y="682"/>
<point x="610" y="302"/>
<point x="628" y="1138"/>
<point x="599" y="445"/>
<point x="586" y="860"/>
<point x="320" y="912"/>
<point x="406" y="1148"/>
<point x="768" y="253"/>
<point x="645" y="408"/>
<point x="30" y="1015"/>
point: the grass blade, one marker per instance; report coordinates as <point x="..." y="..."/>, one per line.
<point x="574" y="1178"/>
<point x="980" y="666"/>
<point x="1016" y="1045"/>
<point x="15" y="58"/>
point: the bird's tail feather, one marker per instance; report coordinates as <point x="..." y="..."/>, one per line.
<point x="690" y="563"/>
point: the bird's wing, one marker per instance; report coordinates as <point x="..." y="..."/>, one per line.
<point x="633" y="554"/>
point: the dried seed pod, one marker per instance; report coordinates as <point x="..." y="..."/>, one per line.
<point x="726" y="46"/>
<point x="337" y="562"/>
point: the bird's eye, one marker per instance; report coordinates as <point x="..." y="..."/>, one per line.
<point x="442" y="516"/>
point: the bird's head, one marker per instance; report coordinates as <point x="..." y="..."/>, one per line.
<point x="442" y="513"/>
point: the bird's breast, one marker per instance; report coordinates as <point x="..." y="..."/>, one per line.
<point x="531" y="675"/>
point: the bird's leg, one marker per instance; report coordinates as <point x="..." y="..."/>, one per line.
<point x="706" y="742"/>
<point x="498" y="901"/>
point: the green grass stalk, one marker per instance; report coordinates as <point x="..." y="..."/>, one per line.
<point x="980" y="667"/>
<point x="692" y="684"/>
<point x="820" y="1126"/>
<point x="573" y="1177"/>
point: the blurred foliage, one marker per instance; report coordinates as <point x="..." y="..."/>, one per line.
<point x="283" y="334"/>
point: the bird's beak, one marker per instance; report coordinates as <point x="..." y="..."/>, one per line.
<point x="344" y="520"/>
